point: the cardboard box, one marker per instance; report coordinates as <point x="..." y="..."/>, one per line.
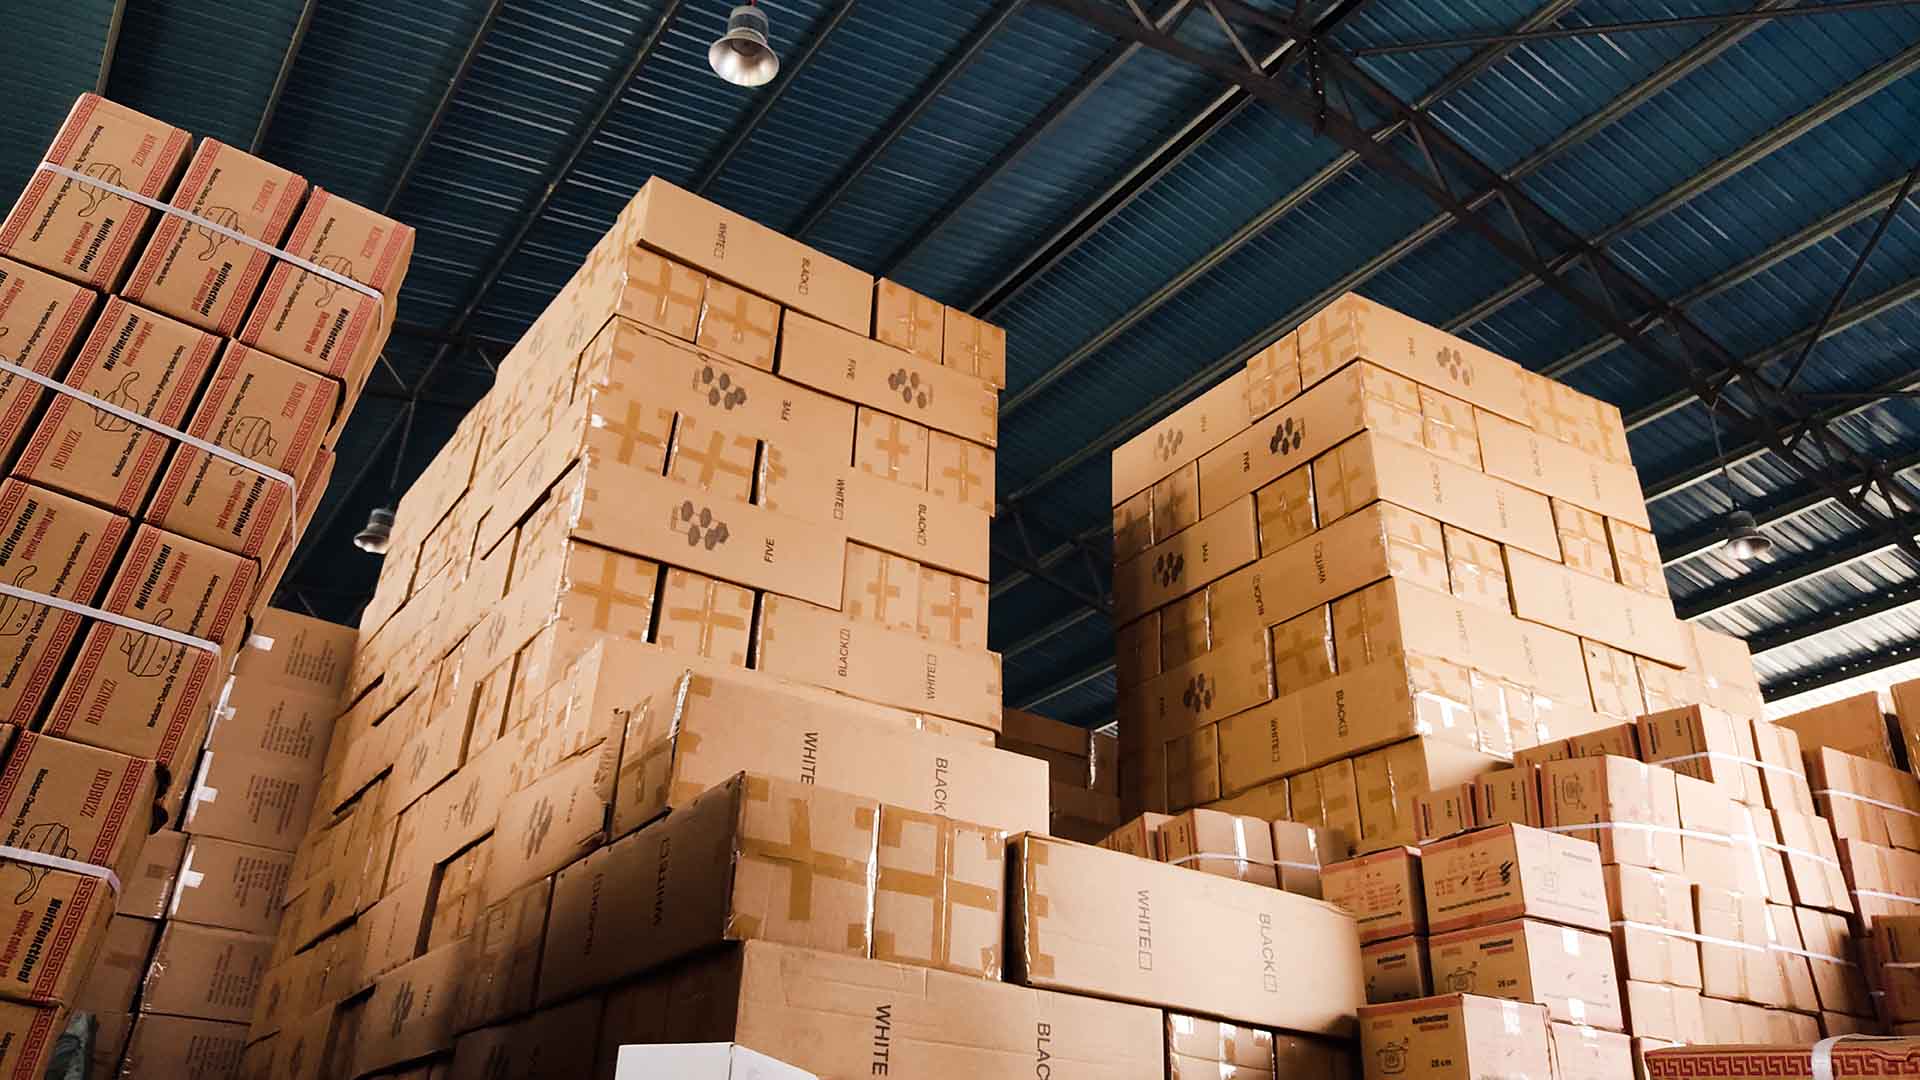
<point x="1456" y="1037"/>
<point x="1569" y="971"/>
<point x="1186" y="561"/>
<point x="952" y="609"/>
<point x="157" y="707"/>
<point x="1854" y="793"/>
<point x="186" y="1047"/>
<point x="505" y="961"/>
<point x="1786" y="1063"/>
<point x="141" y="361"/>
<point x="1193" y="768"/>
<point x="1701" y="741"/>
<point x="1654" y="936"/>
<point x="146" y="891"/>
<point x="1783" y="772"/>
<point x="60" y="546"/>
<point x="939" y="900"/>
<point x="287" y="649"/>
<point x="320" y="324"/>
<point x="205" y="972"/>
<point x="1664" y="687"/>
<point x="1628" y="809"/>
<point x="265" y="410"/>
<point x="1508" y="797"/>
<point x="1476" y="570"/>
<point x="907" y="320"/>
<point x="891" y="448"/>
<point x="43" y="317"/>
<point x="56" y="923"/>
<point x="1613" y="681"/>
<point x="727" y="245"/>
<point x="1353" y="327"/>
<point x="1636" y="558"/>
<point x="1383" y="892"/>
<point x="118" y="967"/>
<point x="1669" y="1013"/>
<point x="1176" y="502"/>
<point x="1285" y="510"/>
<point x="1585" y="1053"/>
<point x="960" y="471"/>
<point x="1139" y="837"/>
<point x="1300" y="855"/>
<point x="1199" y="1039"/>
<point x="708" y="618"/>
<point x="856" y="368"/>
<point x="1583" y="540"/>
<point x="1374" y="466"/>
<point x="250" y="800"/>
<point x="1611" y="489"/>
<point x="703" y="1061"/>
<point x="1540" y="875"/>
<point x="1835" y="962"/>
<point x="202" y="277"/>
<point x="1232" y="678"/>
<point x="1445" y="812"/>
<point x="554" y="820"/>
<point x="1273" y="377"/>
<point x="1303" y="650"/>
<point x="1077" y="915"/>
<point x="1447" y="427"/>
<point x="1182" y="438"/>
<point x="74" y="801"/>
<point x="798" y="640"/>
<point x="975" y="347"/>
<point x="1854" y="725"/>
<point x="82" y="232"/>
<point x="1184" y="630"/>
<point x="1388" y="779"/>
<point x="235" y="886"/>
<point x="1814" y="875"/>
<point x="560" y="1041"/>
<point x="735" y="323"/>
<point x="1396" y="970"/>
<point x="1228" y="845"/>
<point x="1706" y="817"/>
<point x="1549" y="593"/>
<point x="1734" y="961"/>
<point x="426" y="994"/>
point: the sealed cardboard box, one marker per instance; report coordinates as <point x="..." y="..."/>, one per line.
<point x="1814" y="874"/>
<point x="1132" y="526"/>
<point x="250" y="800"/>
<point x="1636" y="558"/>
<point x="1205" y="944"/>
<point x="553" y="820"/>
<point x="1854" y="794"/>
<point x="1232" y="678"/>
<point x="56" y="924"/>
<point x="1139" y="837"/>
<point x="1614" y="681"/>
<point x="1569" y="971"/>
<point x="142" y="694"/>
<point x="1627" y="808"/>
<point x="1508" y="797"/>
<point x="1273" y="377"/>
<point x="1549" y="593"/>
<point x="1187" y="560"/>
<point x="1201" y="1040"/>
<point x="74" y="801"/>
<point x="937" y="1023"/>
<point x="146" y="890"/>
<point x="1396" y="970"/>
<point x="236" y="886"/>
<point x="952" y="609"/>
<point x="1734" y="961"/>
<point x="960" y="470"/>
<point x="205" y="972"/>
<point x="1456" y="1037"/>
<point x="713" y="460"/>
<point x="1671" y="1013"/>
<point x="1855" y="725"/>
<point x="1654" y="936"/>
<point x="1218" y="843"/>
<point x="1387" y="779"/>
<point x="1744" y="1062"/>
<point x="62" y="547"/>
<point x="975" y="347"/>
<point x="1706" y="846"/>
<point x="1184" y="630"/>
<point x="801" y="641"/>
<point x="1374" y="466"/>
<point x="136" y="359"/>
<point x="1300" y="856"/>
<point x="907" y="320"/>
<point x="1382" y="891"/>
<point x="735" y="323"/>
<point x="1193" y="768"/>
<point x="866" y="372"/>
<point x="1512" y="452"/>
<point x="880" y="587"/>
<point x="1704" y="742"/>
<point x="1581" y="1052"/>
<point x="1180" y="439"/>
<point x="1783" y="772"/>
<point x="266" y="410"/>
<point x="183" y="1046"/>
<point x="297" y="652"/>
<point x="506" y="956"/>
<point x="1354" y="327"/>
<point x="706" y="617"/>
<point x="80" y="230"/>
<point x="1285" y="510"/>
<point x="1176" y="502"/>
<point x="1835" y="962"/>
<point x="1445" y="812"/>
<point x="44" y="318"/>
<point x="118" y="966"/>
<point x="255" y="717"/>
<point x="204" y="277"/>
<point x="939" y="899"/>
<point x="1583" y="540"/>
<point x="427" y="993"/>
<point x="1476" y="570"/>
<point x="1498" y="874"/>
<point x="1303" y="650"/>
<point x="1328" y="800"/>
<point x="560" y="1041"/>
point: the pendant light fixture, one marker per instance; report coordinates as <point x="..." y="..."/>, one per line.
<point x="743" y="55"/>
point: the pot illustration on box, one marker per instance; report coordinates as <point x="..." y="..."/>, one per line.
<point x="226" y="218"/>
<point x="911" y="390"/>
<point x="1461" y="980"/>
<point x="702" y="527"/>
<point x="105" y="172"/>
<point x="251" y="437"/>
<point x="1167" y="443"/>
<point x="46" y="838"/>
<point x="1393" y="1057"/>
<point x="147" y="655"/>
<point x="325" y="289"/>
<point x="16" y="614"/>
<point x="121" y="395"/>
<point x="720" y="388"/>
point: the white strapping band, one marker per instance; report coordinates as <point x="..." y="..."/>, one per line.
<point x="1735" y="758"/>
<point x="1696" y="834"/>
<point x="213" y="226"/>
<point x="1797" y="852"/>
<point x="88" y="611"/>
<point x="55" y="862"/>
<point x="1838" y="794"/>
<point x="1878" y="895"/>
<point x="1822" y="1056"/>
<point x="1703" y="939"/>
<point x="1280" y="863"/>
<point x="1777" y="947"/>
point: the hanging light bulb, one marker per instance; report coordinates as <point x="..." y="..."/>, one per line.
<point x="742" y="55"/>
<point x="378" y="535"/>
<point x="1745" y="541"/>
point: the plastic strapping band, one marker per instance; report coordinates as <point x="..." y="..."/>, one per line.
<point x="1281" y="863"/>
<point x="1838" y="794"/>
<point x="55" y="862"/>
<point x="1878" y="895"/>
<point x="1735" y="758"/>
<point x="1795" y="852"/>
<point x="190" y="641"/>
<point x="1703" y="939"/>
<point x="1775" y="947"/>
<point x="1590" y="826"/>
<point x="1821" y="1060"/>
<point x="213" y="226"/>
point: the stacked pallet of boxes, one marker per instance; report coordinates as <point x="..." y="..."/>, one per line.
<point x="197" y="324"/>
<point x="1083" y="770"/>
<point x="184" y="959"/>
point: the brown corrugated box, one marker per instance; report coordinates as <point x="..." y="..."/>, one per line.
<point x="1182" y="438"/>
<point x="1373" y="466"/>
<point x="75" y="801"/>
<point x="1396" y="969"/>
<point x="939" y="897"/>
<point x="1176" y="502"/>
<point x="560" y="1041"/>
<point x="205" y="972"/>
<point x="1353" y="327"/>
<point x="1204" y="943"/>
<point x="83" y="232"/>
<point x="1812" y="862"/>
<point x="1328" y="800"/>
<point x="1706" y="848"/>
<point x="1187" y="560"/>
<point x="1508" y="797"/>
<point x="55" y="922"/>
<point x="142" y="694"/>
<point x="203" y="277"/>
<point x="1232" y="678"/>
<point x="119" y="965"/>
<point x="960" y="470"/>
<point x="412" y="1011"/>
<point x="1627" y="808"/>
<point x="1549" y="593"/>
<point x="1545" y="876"/>
<point x="184" y="1047"/>
<point x="907" y="320"/>
<point x="867" y="372"/>
<point x="1837" y="975"/>
<point x="236" y="886"/>
<point x="273" y="721"/>
<point x="1457" y="1037"/>
<point x="1203" y="1040"/>
<point x="1383" y="891"/>
<point x="1569" y="971"/>
<point x="61" y="546"/>
<point x="1213" y="842"/>
<point x="1653" y="926"/>
<point x="737" y="324"/>
<point x="146" y="889"/>
<point x="265" y="410"/>
<point x="249" y="799"/>
<point x="140" y="361"/>
<point x="1670" y="1013"/>
<point x="43" y="317"/>
<point x="1476" y="570"/>
<point x="1273" y="377"/>
<point x="506" y="956"/>
<point x="1514" y="453"/>
<point x="1586" y="1053"/>
<point x="553" y="820"/>
<point x="1285" y="509"/>
<point x="801" y="641"/>
<point x="1734" y="961"/>
<point x="1855" y="725"/>
<point x="1444" y="812"/>
<point x="975" y="347"/>
<point x="1193" y="768"/>
<point x="1386" y="781"/>
<point x="1139" y="837"/>
<point x="1704" y="742"/>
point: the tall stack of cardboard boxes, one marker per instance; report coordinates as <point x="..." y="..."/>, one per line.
<point x="1083" y="771"/>
<point x="185" y="958"/>
<point x="249" y="326"/>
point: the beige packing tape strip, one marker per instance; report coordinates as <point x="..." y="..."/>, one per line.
<point x="55" y="862"/>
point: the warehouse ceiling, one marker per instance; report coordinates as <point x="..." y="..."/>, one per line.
<point x="1661" y="204"/>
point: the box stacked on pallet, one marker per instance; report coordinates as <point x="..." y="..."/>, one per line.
<point x="1083" y="769"/>
<point x="185" y="330"/>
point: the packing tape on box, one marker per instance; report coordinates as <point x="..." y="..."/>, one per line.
<point x="1836" y="793"/>
<point x="236" y="236"/>
<point x="1278" y="864"/>
<point x="1704" y="939"/>
<point x="56" y="862"/>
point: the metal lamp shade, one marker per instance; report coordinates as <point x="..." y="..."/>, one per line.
<point x="742" y="55"/>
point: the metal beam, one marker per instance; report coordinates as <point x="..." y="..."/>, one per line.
<point x="1006" y="583"/>
<point x="1835" y="618"/>
<point x="1824" y="229"/>
<point x="906" y="116"/>
<point x="286" y="72"/>
<point x="1618" y="107"/>
<point x="789" y="71"/>
<point x="1757" y="149"/>
<point x="1048" y="632"/>
<point x="1853" y="275"/>
<point x="1699" y="541"/>
<point x="110" y="46"/>
<point x="1845" y="669"/>
<point x="1785" y="573"/>
<point x="1634" y="26"/>
<point x="458" y="80"/>
<point x="1049" y="118"/>
<point x="1047" y="577"/>
<point x="1173" y="152"/>
<point x="1067" y="685"/>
